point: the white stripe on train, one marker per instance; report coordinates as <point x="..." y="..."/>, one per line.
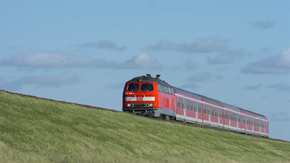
<point x="214" y="124"/>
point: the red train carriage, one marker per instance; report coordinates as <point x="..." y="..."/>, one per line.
<point x="151" y="96"/>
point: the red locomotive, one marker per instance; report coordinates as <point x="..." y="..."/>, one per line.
<point x="152" y="96"/>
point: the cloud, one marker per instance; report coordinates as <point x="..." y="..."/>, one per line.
<point x="141" y="61"/>
<point x="191" y="65"/>
<point x="104" y="45"/>
<point x="278" y="64"/>
<point x="280" y="117"/>
<point x="52" y="61"/>
<point x="220" y="51"/>
<point x="197" y="79"/>
<point x="263" y="24"/>
<point x="227" y="57"/>
<point x="280" y="87"/>
<point x="39" y="82"/>
<point x="204" y="77"/>
<point x="196" y="46"/>
<point x="253" y="87"/>
<point x="49" y="60"/>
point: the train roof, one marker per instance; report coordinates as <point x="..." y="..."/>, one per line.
<point x="149" y="78"/>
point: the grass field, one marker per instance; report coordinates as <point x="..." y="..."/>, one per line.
<point x="36" y="131"/>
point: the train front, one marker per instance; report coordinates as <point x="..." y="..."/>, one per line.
<point x="140" y="95"/>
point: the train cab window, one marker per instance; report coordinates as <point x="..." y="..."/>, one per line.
<point x="133" y="87"/>
<point x="147" y="87"/>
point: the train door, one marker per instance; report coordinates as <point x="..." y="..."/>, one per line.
<point x="223" y="118"/>
<point x="174" y="104"/>
<point x="227" y="118"/>
<point x="199" y="112"/>
<point x="206" y="113"/>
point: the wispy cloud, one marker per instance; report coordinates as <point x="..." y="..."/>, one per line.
<point x="197" y="79"/>
<point x="283" y="87"/>
<point x="219" y="49"/>
<point x="278" y="64"/>
<point x="280" y="117"/>
<point x="196" y="46"/>
<point x="263" y="24"/>
<point x="228" y="57"/>
<point x="104" y="45"/>
<point x="191" y="65"/>
<point x="57" y="61"/>
<point x="254" y="87"/>
<point x="141" y="61"/>
<point x="204" y="77"/>
<point x="280" y="87"/>
<point x="39" y="82"/>
<point x="51" y="60"/>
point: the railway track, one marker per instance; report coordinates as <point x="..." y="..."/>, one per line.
<point x="100" y="108"/>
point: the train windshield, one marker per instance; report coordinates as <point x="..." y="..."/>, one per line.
<point x="133" y="87"/>
<point x="147" y="87"/>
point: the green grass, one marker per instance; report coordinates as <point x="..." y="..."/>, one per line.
<point x="35" y="131"/>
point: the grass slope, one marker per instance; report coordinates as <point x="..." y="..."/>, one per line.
<point x="35" y="131"/>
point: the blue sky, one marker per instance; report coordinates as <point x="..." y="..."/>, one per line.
<point x="84" y="51"/>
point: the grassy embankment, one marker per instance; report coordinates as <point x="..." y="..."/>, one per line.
<point x="34" y="131"/>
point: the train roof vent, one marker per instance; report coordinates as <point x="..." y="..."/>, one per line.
<point x="148" y="75"/>
<point x="158" y="76"/>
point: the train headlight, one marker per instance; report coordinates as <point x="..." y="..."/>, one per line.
<point x="128" y="98"/>
<point x="149" y="98"/>
<point x="150" y="105"/>
<point x="129" y="105"/>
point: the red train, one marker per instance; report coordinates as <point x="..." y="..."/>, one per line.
<point x="152" y="96"/>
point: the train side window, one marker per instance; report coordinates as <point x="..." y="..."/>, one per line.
<point x="232" y="117"/>
<point x="189" y="105"/>
<point x="199" y="106"/>
<point x="182" y="103"/>
<point x="160" y="88"/>
<point x="226" y="116"/>
<point x="178" y="102"/>
<point x="236" y="117"/>
<point x="171" y="91"/>
<point x="195" y="107"/>
<point x="165" y="89"/>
